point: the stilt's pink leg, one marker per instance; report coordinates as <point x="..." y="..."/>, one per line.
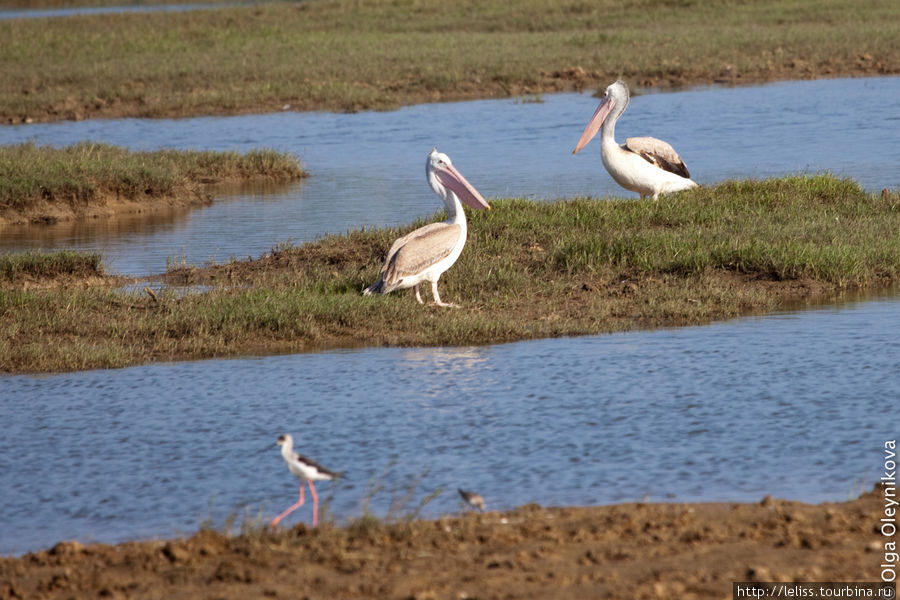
<point x="312" y="489"/>
<point x="290" y="509"/>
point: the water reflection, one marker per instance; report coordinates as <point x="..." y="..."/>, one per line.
<point x="444" y="375"/>
<point x="367" y="167"/>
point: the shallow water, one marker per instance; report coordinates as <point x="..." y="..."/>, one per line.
<point x="796" y="405"/>
<point x="368" y="168"/>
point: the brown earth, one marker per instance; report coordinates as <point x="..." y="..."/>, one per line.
<point x="620" y="551"/>
<point x="407" y="93"/>
<point x="104" y="205"/>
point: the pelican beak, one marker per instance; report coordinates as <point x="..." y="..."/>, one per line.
<point x="453" y="179"/>
<point x="595" y="123"/>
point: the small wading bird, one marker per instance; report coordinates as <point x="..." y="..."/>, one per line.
<point x="424" y="254"/>
<point x="305" y="469"/>
<point x="473" y="499"/>
<point x="644" y="165"/>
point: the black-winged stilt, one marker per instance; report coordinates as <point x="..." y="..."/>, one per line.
<point x="307" y="471"/>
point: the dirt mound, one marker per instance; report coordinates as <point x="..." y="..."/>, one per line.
<point x="620" y="551"/>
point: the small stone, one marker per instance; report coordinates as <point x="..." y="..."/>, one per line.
<point x="67" y="548"/>
<point x="759" y="573"/>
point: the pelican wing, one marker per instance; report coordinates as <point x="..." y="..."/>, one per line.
<point x="659" y="153"/>
<point x="418" y="250"/>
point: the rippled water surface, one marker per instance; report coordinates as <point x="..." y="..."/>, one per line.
<point x="368" y="168"/>
<point x="795" y="405"/>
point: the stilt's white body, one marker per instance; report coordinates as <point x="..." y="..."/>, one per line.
<point x="426" y="253"/>
<point x="644" y="165"/>
<point x="301" y="466"/>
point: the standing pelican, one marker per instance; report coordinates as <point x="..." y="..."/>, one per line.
<point x="644" y="165"/>
<point x="424" y="254"/>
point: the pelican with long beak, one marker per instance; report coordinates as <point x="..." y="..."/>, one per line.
<point x="644" y="165"/>
<point x="424" y="254"/>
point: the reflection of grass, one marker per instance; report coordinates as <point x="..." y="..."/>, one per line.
<point x="350" y="55"/>
<point x="530" y="269"/>
<point x="88" y="173"/>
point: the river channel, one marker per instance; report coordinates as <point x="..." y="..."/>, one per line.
<point x="796" y="404"/>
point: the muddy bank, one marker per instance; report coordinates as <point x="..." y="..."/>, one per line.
<point x="620" y="551"/>
<point x="104" y="205"/>
<point x="572" y="79"/>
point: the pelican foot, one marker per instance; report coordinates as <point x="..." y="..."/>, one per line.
<point x="447" y="304"/>
<point x="437" y="297"/>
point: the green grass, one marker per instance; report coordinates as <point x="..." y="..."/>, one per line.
<point x="16" y="267"/>
<point x="32" y="176"/>
<point x="783" y="229"/>
<point x="359" y="54"/>
<point x="529" y="270"/>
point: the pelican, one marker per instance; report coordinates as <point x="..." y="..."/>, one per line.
<point x="424" y="254"/>
<point x="644" y="165"/>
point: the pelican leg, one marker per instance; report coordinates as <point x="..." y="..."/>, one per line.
<point x="290" y="509"/>
<point x="437" y="297"/>
<point x="315" y="496"/>
<point x="418" y="295"/>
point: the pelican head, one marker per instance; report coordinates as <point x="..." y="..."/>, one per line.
<point x="443" y="178"/>
<point x="616" y="95"/>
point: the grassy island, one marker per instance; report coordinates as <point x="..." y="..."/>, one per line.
<point x="45" y="184"/>
<point x="529" y="270"/>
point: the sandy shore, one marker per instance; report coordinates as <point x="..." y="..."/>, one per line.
<point x="621" y="551"/>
